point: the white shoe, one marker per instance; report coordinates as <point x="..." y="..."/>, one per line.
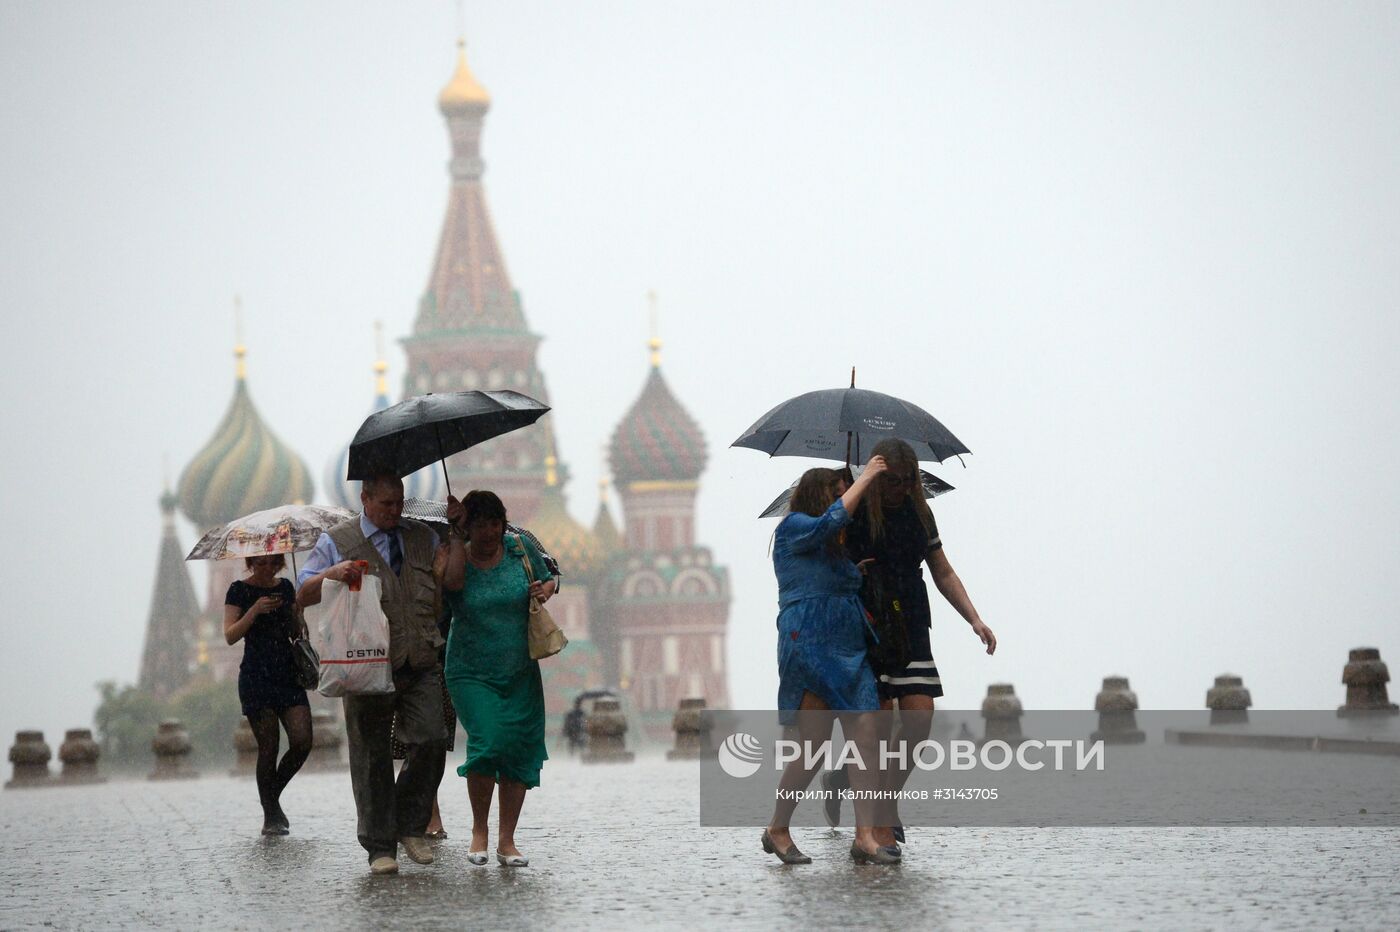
<point x="418" y="849"/>
<point x="512" y="860"/>
<point x="476" y="857"/>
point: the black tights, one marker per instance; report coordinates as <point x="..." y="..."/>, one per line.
<point x="273" y="777"/>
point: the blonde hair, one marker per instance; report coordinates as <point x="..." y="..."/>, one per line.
<point x="900" y="458"/>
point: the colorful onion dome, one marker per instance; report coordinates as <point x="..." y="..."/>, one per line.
<point x="426" y="483"/>
<point x="657" y="439"/>
<point x="604" y="528"/>
<point x="579" y="553"/>
<point x="463" y="93"/>
<point x="243" y="468"/>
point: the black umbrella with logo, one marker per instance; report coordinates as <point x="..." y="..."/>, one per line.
<point x="405" y="437"/>
<point x="845" y="423"/>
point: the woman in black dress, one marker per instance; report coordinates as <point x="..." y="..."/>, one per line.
<point x="262" y="611"/>
<point x="894" y="534"/>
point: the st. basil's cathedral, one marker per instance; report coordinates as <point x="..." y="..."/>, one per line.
<point x="645" y="607"/>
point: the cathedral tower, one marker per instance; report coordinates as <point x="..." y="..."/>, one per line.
<point x="668" y="601"/>
<point x="470" y="332"/>
<point x="170" y="629"/>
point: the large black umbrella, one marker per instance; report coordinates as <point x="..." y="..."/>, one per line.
<point x="933" y="487"/>
<point x="845" y="423"/>
<point x="407" y="436"/>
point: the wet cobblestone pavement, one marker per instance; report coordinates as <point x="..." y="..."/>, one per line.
<point x="619" y="846"/>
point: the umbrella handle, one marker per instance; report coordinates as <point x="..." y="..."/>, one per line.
<point x="442" y="459"/>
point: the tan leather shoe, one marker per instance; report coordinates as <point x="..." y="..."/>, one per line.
<point x="417" y="849"/>
<point x="384" y="864"/>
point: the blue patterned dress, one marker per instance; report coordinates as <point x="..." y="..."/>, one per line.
<point x="821" y="623"/>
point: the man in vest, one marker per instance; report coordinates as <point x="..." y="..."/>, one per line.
<point x="400" y="552"/>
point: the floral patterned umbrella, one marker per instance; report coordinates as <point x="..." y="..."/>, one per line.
<point x="284" y="529"/>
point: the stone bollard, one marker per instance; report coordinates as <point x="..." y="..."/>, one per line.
<point x="606" y="726"/>
<point x="325" y="743"/>
<point x="1002" y="712"/>
<point x="79" y="754"/>
<point x="172" y="749"/>
<point x="30" y="755"/>
<point x="692" y="731"/>
<point x="247" y="747"/>
<point x="1228" y="700"/>
<point x="1117" y="708"/>
<point x="1365" y="676"/>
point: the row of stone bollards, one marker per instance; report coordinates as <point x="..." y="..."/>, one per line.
<point x="171" y="746"/>
<point x="606" y="727"/>
<point x="79" y="754"/>
<point x="1365" y="677"/>
<point x="30" y="755"/>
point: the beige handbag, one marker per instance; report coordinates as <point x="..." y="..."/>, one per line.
<point x="546" y="639"/>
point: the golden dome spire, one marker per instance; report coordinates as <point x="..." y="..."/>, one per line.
<point x="240" y="369"/>
<point x="654" y="344"/>
<point x="381" y="384"/>
<point x="551" y="474"/>
<point x="464" y="91"/>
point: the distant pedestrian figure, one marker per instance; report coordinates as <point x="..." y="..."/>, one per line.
<point x="495" y="685"/>
<point x="261" y="611"/>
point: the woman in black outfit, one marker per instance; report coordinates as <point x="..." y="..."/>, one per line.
<point x="893" y="533"/>
<point x="262" y="611"/>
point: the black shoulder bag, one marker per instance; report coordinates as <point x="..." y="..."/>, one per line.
<point x="886" y="638"/>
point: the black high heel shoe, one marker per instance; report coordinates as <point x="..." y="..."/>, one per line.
<point x="790" y="856"/>
<point x="881" y="855"/>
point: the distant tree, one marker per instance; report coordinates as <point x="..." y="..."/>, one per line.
<point x="126" y="720"/>
<point x="210" y="712"/>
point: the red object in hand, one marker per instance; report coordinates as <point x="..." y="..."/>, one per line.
<point x="361" y="568"/>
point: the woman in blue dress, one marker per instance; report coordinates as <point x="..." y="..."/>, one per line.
<point x="822" y="667"/>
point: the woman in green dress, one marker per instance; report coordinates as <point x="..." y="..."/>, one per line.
<point x="494" y="684"/>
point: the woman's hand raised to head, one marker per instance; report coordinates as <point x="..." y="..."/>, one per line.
<point x="873" y="469"/>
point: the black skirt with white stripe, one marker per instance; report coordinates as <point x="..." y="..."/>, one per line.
<point x="919" y="677"/>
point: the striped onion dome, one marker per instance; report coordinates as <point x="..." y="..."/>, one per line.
<point x="579" y="553"/>
<point x="426" y="483"/>
<point x="657" y="439"/>
<point x="243" y="468"/>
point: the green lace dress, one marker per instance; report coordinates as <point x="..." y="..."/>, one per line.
<point x="494" y="684"/>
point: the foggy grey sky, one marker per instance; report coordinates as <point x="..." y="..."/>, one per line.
<point x="1141" y="258"/>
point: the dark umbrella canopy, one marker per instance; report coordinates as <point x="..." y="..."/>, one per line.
<point x="933" y="487"/>
<point x="820" y="423"/>
<point x="407" y="436"/>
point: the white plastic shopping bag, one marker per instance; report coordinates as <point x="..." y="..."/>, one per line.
<point x="352" y="637"/>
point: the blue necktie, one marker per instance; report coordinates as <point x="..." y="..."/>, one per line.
<point x="395" y="552"/>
